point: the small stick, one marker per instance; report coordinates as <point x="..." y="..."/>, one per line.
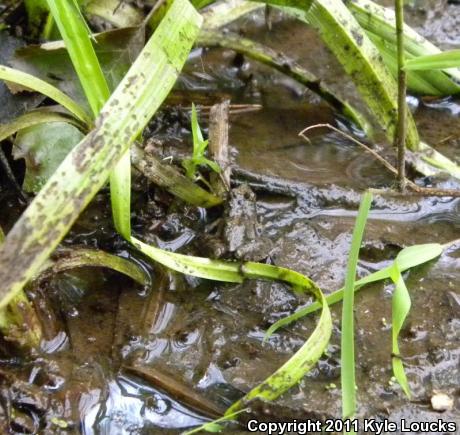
<point x="415" y="189"/>
<point x="384" y="162"/>
<point x="218" y="144"/>
<point x="177" y="390"/>
<point x="400" y="136"/>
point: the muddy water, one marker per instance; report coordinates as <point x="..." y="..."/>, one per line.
<point x="207" y="337"/>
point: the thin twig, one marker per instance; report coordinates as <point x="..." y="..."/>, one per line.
<point x="400" y="137"/>
<point x="415" y="189"/>
<point x="384" y="162"/>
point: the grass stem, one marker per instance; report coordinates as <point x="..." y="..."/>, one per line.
<point x="347" y="338"/>
<point x="401" y="128"/>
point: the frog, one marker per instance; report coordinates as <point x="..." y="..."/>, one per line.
<point x="242" y="229"/>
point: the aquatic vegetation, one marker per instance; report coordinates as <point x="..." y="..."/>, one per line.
<point x="199" y="149"/>
<point x="347" y="373"/>
<point x="447" y="59"/>
<point x="78" y="152"/>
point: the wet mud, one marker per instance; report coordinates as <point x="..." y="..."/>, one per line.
<point x="122" y="359"/>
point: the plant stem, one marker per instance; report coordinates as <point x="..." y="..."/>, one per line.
<point x="347" y="337"/>
<point x="400" y="136"/>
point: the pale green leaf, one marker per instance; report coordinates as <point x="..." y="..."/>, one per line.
<point x="381" y="21"/>
<point x="347" y="360"/>
<point x="448" y="59"/>
<point x="75" y="33"/>
<point x="38" y="85"/>
<point x="33" y="118"/>
<point x="407" y="258"/>
<point x="401" y="304"/>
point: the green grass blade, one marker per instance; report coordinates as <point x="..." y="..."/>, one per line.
<point x="83" y="257"/>
<point x="401" y="304"/>
<point x="33" y="118"/>
<point x="421" y="84"/>
<point x="381" y="21"/>
<point x="407" y="258"/>
<point x="304" y="359"/>
<point x="120" y="195"/>
<point x="75" y="33"/>
<point x="347" y="337"/>
<point x="196" y="266"/>
<point x="448" y="59"/>
<point x="87" y="167"/>
<point x="38" y="85"/>
<point x="358" y="56"/>
<point x="77" y="39"/>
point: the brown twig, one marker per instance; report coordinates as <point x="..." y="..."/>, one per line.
<point x="415" y="189"/>
<point x="218" y="145"/>
<point x="178" y="390"/>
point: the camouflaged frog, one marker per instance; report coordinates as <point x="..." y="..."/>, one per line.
<point x="242" y="229"/>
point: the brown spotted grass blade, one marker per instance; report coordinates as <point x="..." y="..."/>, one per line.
<point x="86" y="168"/>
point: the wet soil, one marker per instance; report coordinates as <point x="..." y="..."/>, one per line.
<point x="293" y="205"/>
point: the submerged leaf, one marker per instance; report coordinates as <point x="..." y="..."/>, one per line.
<point x="33" y="118"/>
<point x="44" y="147"/>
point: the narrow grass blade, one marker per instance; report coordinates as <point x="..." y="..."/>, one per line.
<point x="448" y="59"/>
<point x="347" y="337"/>
<point x="304" y="359"/>
<point x="407" y="258"/>
<point x="120" y="195"/>
<point x="76" y="36"/>
<point x="86" y="168"/>
<point x="358" y="56"/>
<point x="381" y="21"/>
<point x="420" y="83"/>
<point x="38" y="85"/>
<point x="33" y="118"/>
<point x="74" y="31"/>
<point x="401" y="304"/>
<point x="82" y="257"/>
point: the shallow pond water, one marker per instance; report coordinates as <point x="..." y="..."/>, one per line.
<point x="128" y="360"/>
